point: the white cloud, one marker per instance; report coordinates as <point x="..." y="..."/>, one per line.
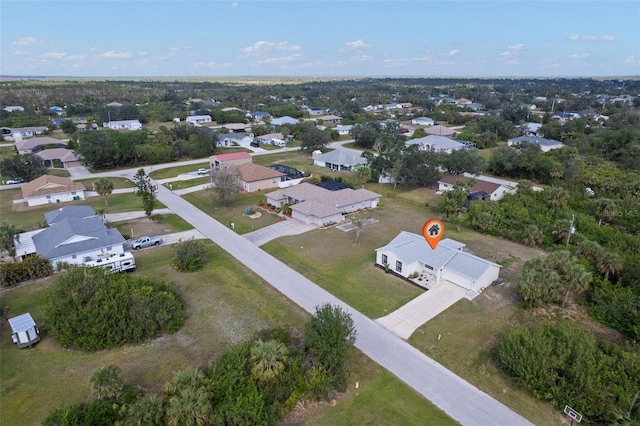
<point x="278" y="59"/>
<point x="21" y="52"/>
<point x="512" y="50"/>
<point x="27" y="41"/>
<point x="350" y="46"/>
<point x="112" y="54"/>
<point x="262" y="47"/>
<point x="233" y="5"/>
<point x="592" y="37"/>
<point x="361" y="58"/>
<point x="583" y="55"/>
<point x="53" y="55"/>
<point x="454" y="52"/>
<point x="632" y="60"/>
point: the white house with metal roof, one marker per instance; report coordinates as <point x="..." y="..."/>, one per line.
<point x="544" y="144"/>
<point x="123" y="125"/>
<point x="437" y="144"/>
<point x="410" y="253"/>
<point x="343" y="159"/>
<point x="75" y="235"/>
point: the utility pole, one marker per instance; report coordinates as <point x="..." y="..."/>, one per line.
<point x="571" y="230"/>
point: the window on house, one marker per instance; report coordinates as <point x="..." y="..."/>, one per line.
<point x="109" y="248"/>
<point x="73" y="256"/>
<point x="73" y="193"/>
<point x="398" y="266"/>
<point x="385" y="260"/>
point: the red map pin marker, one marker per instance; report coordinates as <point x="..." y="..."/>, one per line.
<point x="433" y="230"/>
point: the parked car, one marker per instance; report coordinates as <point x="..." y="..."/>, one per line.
<point x="203" y="171"/>
<point x="146" y="241"/>
<point x="255" y="144"/>
<point x="15" y="181"/>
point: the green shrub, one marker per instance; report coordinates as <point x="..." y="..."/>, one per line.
<point x="569" y="366"/>
<point x="190" y="256"/>
<point x="91" y="310"/>
<point x="249" y="211"/>
<point x="13" y="273"/>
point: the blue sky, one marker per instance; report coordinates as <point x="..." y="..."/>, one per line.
<point x="320" y="38"/>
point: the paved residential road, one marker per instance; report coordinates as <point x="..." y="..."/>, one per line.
<point x="455" y="396"/>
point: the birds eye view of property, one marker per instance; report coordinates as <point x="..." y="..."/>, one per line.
<point x="320" y="222"/>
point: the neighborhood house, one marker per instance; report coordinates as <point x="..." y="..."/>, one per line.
<point x="315" y="205"/>
<point x="343" y="159"/>
<point x="122" y="125"/>
<point x="409" y="254"/>
<point x="48" y="189"/>
<point x="482" y="189"/>
<point x="75" y="235"/>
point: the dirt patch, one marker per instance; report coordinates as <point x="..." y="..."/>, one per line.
<point x="137" y="228"/>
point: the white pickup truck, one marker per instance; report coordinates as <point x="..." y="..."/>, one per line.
<point x="146" y="241"/>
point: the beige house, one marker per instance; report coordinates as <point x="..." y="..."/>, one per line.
<point x="67" y="157"/>
<point x="316" y="205"/>
<point x="49" y="189"/>
<point x="254" y="177"/>
<point x="29" y="146"/>
<point x="233" y="159"/>
<point x="251" y="177"/>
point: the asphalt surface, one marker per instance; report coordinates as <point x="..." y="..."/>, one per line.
<point x="455" y="396"/>
<point x="459" y="399"/>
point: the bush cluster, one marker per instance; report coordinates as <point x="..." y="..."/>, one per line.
<point x="91" y="310"/>
<point x="254" y="383"/>
<point x="569" y="366"/>
<point x="190" y="256"/>
<point x="13" y="273"/>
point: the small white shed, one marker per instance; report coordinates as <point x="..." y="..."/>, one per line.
<point x="24" y="331"/>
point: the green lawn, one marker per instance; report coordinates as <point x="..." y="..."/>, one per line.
<point x="235" y="210"/>
<point x="118" y="183"/>
<point x="25" y="218"/>
<point x="172" y="172"/>
<point x="225" y="304"/>
<point x="181" y="184"/>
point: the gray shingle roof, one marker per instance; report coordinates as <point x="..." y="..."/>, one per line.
<point x="70" y="236"/>
<point x="343" y="156"/>
<point x="68" y="212"/>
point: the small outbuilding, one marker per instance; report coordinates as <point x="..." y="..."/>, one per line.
<point x="24" y="331"/>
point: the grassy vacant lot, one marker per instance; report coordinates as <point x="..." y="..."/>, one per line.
<point x="118" y="183"/>
<point x="225" y="304"/>
<point x="25" y="217"/>
<point x="172" y="172"/>
<point x="144" y="226"/>
<point x="331" y="259"/>
<point x="234" y="212"/>
<point x="182" y="184"/>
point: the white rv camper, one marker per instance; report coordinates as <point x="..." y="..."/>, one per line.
<point x="119" y="263"/>
<point x="24" y="331"/>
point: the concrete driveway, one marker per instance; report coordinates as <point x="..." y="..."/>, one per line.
<point x="279" y="229"/>
<point x="405" y="320"/>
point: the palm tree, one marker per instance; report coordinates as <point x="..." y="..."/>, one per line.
<point x="146" y="411"/>
<point x="185" y="379"/>
<point x="7" y="234"/>
<point x="268" y="359"/>
<point x="577" y="280"/>
<point x="106" y="382"/>
<point x="556" y="197"/>
<point x="189" y="407"/>
<point x="606" y="209"/>
<point x="609" y="263"/>
<point x="533" y="235"/>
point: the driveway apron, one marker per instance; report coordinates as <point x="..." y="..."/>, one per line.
<point x="458" y="398"/>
